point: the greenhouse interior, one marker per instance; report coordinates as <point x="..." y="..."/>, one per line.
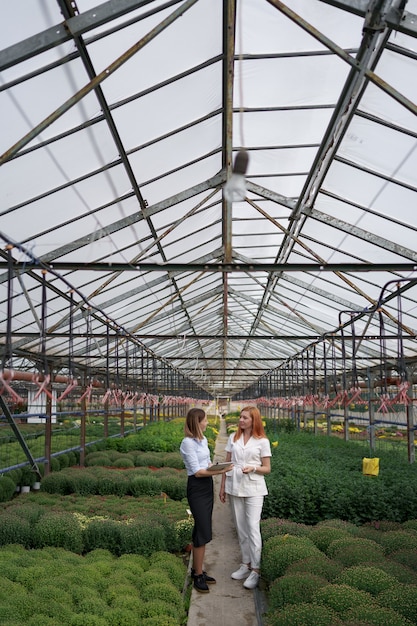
<point x="208" y="212"/>
<point x="209" y="201"/>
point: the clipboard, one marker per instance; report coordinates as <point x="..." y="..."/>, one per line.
<point x="218" y="466"/>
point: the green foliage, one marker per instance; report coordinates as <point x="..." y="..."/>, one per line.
<point x="84" y="619"/>
<point x="175" y="486"/>
<point x="402" y="598"/>
<point x="118" y="590"/>
<point x="113" y="483"/>
<point x="157" y="437"/>
<point x="411" y="523"/>
<point x="183" y="532"/>
<point x="367" y="578"/>
<point x="121" y="617"/>
<point x="352" y="551"/>
<point x="123" y="462"/>
<point x="60" y="530"/>
<point x="97" y="458"/>
<point x="399" y="571"/>
<point x="314" y="478"/>
<point x="293" y="589"/>
<point x="341" y="597"/>
<point x="320" y="565"/>
<point x="145" y="485"/>
<point x="160" y="620"/>
<point x="406" y="557"/>
<point x="54" y="586"/>
<point x="55" y="464"/>
<point x="303" y="614"/>
<point x="374" y="616"/>
<point x="395" y="540"/>
<point x="273" y="526"/>
<point x="91" y="603"/>
<point x="98" y="480"/>
<point x="142" y="537"/>
<point x="158" y="609"/>
<point x="14" y="529"/>
<point x="7" y="487"/>
<point x="64" y="460"/>
<point x="104" y="534"/>
<point x="56" y="482"/>
<point x="323" y="536"/>
<point x="280" y="551"/>
<point x="171" y="565"/>
<point x="41" y="620"/>
<point x="165" y="592"/>
<point x="28" y="476"/>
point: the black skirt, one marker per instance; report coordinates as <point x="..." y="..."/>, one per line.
<point x="200" y="496"/>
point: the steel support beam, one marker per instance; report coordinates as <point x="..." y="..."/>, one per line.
<point x="19" y="437"/>
<point x="214" y="267"/>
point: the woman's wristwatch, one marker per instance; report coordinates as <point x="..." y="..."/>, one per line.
<point x="254" y="470"/>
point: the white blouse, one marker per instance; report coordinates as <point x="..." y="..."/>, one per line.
<point x="252" y="484"/>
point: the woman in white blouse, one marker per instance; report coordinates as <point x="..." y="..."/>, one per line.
<point x="196" y="456"/>
<point x="250" y="452"/>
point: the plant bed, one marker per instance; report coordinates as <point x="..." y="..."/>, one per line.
<point x="331" y="574"/>
<point x="53" y="586"/>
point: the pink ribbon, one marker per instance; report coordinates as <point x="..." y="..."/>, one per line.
<point x="5" y="386"/>
<point x="71" y="385"/>
<point x="42" y="386"/>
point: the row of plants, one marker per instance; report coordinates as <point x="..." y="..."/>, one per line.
<point x="53" y="586"/>
<point x="26" y="476"/>
<point x="126" y="506"/>
<point x="133" y="458"/>
<point x="161" y="437"/>
<point x="338" y="573"/>
<point x="142" y="449"/>
<point x="298" y="456"/>
<point x="65" y="434"/>
<point x="97" y="480"/>
<point x="315" y="478"/>
<point x="84" y="523"/>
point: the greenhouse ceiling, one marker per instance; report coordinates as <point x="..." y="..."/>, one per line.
<point x="120" y="126"/>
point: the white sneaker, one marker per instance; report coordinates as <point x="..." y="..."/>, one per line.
<point x="252" y="581"/>
<point x="241" y="573"/>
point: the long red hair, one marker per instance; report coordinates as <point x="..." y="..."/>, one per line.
<point x="257" y="427"/>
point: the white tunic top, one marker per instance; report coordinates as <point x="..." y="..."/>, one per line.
<point x="238" y="483"/>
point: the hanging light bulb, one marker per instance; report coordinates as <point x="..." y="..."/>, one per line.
<point x="235" y="188"/>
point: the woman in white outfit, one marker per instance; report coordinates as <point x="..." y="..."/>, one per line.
<point x="250" y="452"/>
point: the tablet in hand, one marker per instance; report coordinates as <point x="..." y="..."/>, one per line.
<point x="218" y="466"/>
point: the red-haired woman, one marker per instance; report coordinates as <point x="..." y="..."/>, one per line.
<point x="250" y="452"/>
<point x="196" y="456"/>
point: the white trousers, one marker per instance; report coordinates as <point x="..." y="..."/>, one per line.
<point x="247" y="517"/>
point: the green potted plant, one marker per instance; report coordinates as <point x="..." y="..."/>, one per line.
<point x="27" y="479"/>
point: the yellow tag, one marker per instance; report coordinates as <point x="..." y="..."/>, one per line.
<point x="370" y="467"/>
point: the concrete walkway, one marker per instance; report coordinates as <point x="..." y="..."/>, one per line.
<point x="228" y="602"/>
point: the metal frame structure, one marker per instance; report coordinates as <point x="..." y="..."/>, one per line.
<point x="118" y="239"/>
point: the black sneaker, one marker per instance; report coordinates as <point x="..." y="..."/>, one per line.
<point x="200" y="584"/>
<point x="209" y="579"/>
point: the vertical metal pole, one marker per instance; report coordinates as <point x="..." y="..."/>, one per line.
<point x="410" y="421"/>
<point x="122" y="417"/>
<point x="346" y="422"/>
<point x="18" y="435"/>
<point x="83" y="429"/>
<point x="48" y="432"/>
<point x="106" y="418"/>
<point x="371" y="410"/>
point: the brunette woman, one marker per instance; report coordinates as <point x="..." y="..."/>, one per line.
<point x="196" y="456"/>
